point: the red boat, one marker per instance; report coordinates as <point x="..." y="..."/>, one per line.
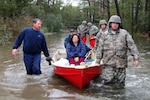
<point x="79" y="75"/>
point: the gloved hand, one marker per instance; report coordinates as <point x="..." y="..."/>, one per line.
<point x="49" y="59"/>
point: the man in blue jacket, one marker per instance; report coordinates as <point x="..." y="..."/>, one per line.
<point x="67" y="39"/>
<point x="33" y="43"/>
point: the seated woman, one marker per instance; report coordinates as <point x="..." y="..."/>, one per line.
<point x="68" y="38"/>
<point x="76" y="50"/>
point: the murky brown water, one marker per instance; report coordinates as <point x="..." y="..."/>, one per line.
<point x="16" y="85"/>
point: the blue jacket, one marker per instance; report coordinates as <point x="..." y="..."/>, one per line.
<point x="33" y="42"/>
<point x="75" y="51"/>
<point x="67" y="39"/>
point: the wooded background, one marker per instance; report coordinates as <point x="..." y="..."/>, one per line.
<point x="17" y="14"/>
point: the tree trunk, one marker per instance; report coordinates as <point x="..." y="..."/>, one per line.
<point x="108" y="9"/>
<point x="148" y="11"/>
<point x="136" y="15"/>
<point x="132" y="17"/>
<point x="118" y="10"/>
<point x="90" y="14"/>
<point x="94" y="12"/>
<point x="117" y="7"/>
<point x="38" y="2"/>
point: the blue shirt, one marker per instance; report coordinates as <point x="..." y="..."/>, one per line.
<point x="33" y="42"/>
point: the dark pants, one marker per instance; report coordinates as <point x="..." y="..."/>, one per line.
<point x="32" y="63"/>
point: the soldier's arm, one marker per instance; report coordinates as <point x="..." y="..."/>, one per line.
<point x="99" y="49"/>
<point x="132" y="47"/>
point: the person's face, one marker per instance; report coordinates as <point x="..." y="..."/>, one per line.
<point x="84" y="24"/>
<point x="114" y="26"/>
<point x="75" y="39"/>
<point x="37" y="25"/>
<point x="103" y="26"/>
<point x="89" y="26"/>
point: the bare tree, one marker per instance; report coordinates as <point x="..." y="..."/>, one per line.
<point x="147" y="10"/>
<point x="108" y="9"/>
<point x="136" y="14"/>
<point x="117" y="7"/>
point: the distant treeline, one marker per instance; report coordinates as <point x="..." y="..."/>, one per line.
<point x="16" y="14"/>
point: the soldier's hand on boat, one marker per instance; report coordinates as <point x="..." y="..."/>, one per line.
<point x="101" y="62"/>
<point x="90" y="51"/>
<point x="49" y="59"/>
<point x="136" y="63"/>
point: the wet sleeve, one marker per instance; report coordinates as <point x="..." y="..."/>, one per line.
<point x="99" y="50"/>
<point x="19" y="39"/>
<point x="45" y="48"/>
<point x="97" y="40"/>
<point x="132" y="47"/>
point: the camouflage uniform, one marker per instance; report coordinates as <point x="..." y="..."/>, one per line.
<point x="101" y="32"/>
<point x="112" y="50"/>
<point x="93" y="30"/>
<point x="82" y="29"/>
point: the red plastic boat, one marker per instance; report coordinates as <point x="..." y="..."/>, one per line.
<point x="80" y="75"/>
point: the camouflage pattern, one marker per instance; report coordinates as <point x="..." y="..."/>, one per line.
<point x="102" y="22"/>
<point x="97" y="39"/>
<point x="93" y="30"/>
<point x="112" y="75"/>
<point x="98" y="36"/>
<point x="89" y="24"/>
<point x="112" y="48"/>
<point x="115" y="19"/>
<point x="82" y="30"/>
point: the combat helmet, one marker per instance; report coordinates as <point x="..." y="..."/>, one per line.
<point x="115" y="19"/>
<point x="84" y="22"/>
<point x="89" y="24"/>
<point x="102" y="22"/>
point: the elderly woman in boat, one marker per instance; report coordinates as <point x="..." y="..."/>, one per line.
<point x="76" y="50"/>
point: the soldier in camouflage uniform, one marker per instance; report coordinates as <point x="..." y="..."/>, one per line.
<point x="103" y="30"/>
<point x="112" y="51"/>
<point x="82" y="31"/>
<point x="93" y="30"/>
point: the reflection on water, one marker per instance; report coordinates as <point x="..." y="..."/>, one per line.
<point x="16" y="85"/>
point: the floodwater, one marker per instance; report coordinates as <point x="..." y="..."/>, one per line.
<point x="16" y="85"/>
